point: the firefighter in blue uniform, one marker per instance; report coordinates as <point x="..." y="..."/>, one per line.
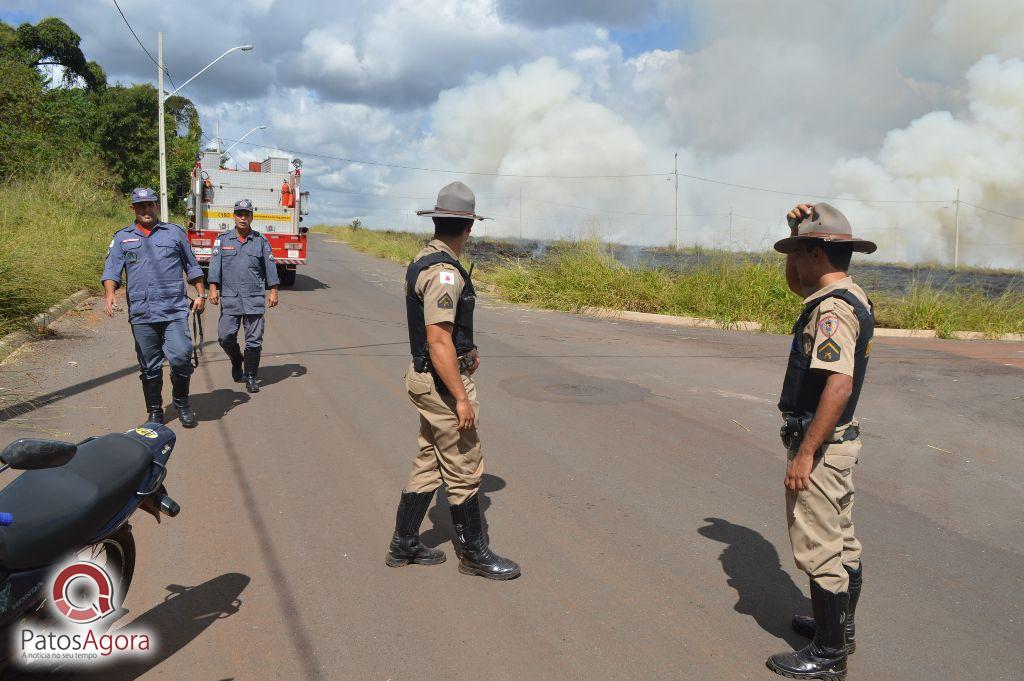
<point x="153" y="256"/>
<point x="242" y="268"/>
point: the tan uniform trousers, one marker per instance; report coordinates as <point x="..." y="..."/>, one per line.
<point x="446" y="454"/>
<point x="820" y="518"/>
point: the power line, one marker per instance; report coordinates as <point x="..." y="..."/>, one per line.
<point x="596" y="177"/>
<point x="994" y="212"/>
<point x="455" y="172"/>
<point x="402" y="196"/>
<point x="805" y="195"/>
<point x="143" y="46"/>
<point x="624" y="212"/>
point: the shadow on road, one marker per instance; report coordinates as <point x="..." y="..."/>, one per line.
<point x="766" y="592"/>
<point x="185" y="614"/>
<point x="304" y="282"/>
<point x="211" y="406"/>
<point x="24" y="407"/>
<point x="275" y="374"/>
<point x="441" y="517"/>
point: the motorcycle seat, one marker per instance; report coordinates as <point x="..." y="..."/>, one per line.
<point x="58" y="510"/>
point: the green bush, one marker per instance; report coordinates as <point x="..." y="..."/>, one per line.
<point x="54" y="233"/>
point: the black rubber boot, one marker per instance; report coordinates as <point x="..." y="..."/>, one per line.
<point x="153" y="392"/>
<point x="179" y="395"/>
<point x="252" y="367"/>
<point x="825" y="658"/>
<point x="475" y="556"/>
<point x="235" y="355"/>
<point x="804" y="625"/>
<point x="405" y="543"/>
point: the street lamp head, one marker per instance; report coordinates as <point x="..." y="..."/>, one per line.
<point x="246" y="48"/>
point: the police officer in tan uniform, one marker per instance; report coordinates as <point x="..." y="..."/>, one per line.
<point x="827" y="364"/>
<point x="440" y="301"/>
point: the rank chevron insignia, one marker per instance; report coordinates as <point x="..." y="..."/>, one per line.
<point x="829" y="351"/>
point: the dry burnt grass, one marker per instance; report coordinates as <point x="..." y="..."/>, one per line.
<point x="724" y="287"/>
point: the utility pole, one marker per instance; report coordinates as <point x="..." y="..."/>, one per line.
<point x="956" y="237"/>
<point x="675" y="212"/>
<point x="160" y="124"/>
<point x="520" y="212"/>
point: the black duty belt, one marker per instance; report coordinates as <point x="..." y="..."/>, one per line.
<point x="795" y="428"/>
<point x="422" y="364"/>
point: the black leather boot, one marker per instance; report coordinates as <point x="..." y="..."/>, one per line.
<point x="179" y="395"/>
<point x="252" y="366"/>
<point x="153" y="392"/>
<point x="475" y="556"/>
<point x="825" y="658"/>
<point x="804" y="625"/>
<point x="235" y="355"/>
<point x="405" y="543"/>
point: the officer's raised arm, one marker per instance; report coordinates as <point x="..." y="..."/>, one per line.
<point x="112" y="275"/>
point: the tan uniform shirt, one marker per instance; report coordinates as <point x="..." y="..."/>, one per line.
<point x="439" y="286"/>
<point x="830" y="336"/>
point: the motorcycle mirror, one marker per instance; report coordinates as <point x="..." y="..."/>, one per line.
<point x="28" y="455"/>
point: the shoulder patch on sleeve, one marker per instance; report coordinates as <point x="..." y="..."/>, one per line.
<point x="447" y="278"/>
<point x="445" y="302"/>
<point x="828" y="324"/>
<point x="828" y="351"/>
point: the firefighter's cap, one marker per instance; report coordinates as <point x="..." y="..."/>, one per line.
<point x="244" y="204"/>
<point x="144" y="195"/>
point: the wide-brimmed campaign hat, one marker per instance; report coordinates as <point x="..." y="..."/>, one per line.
<point x="455" y="200"/>
<point x="827" y="224"/>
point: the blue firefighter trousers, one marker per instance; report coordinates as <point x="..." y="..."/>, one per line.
<point x="156" y="341"/>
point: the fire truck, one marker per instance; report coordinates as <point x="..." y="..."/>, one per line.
<point x="275" y="191"/>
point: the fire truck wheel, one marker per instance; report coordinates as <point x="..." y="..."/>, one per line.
<point x="286" y="276"/>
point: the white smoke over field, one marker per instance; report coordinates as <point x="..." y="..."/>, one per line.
<point x="981" y="154"/>
<point x="875" y="100"/>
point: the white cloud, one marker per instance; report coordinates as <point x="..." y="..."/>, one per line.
<point x="828" y="98"/>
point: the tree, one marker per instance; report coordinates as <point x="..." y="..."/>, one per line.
<point x="51" y="42"/>
<point x="85" y="121"/>
<point x="126" y="130"/>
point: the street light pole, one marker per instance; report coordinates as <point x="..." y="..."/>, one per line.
<point x="161" y="99"/>
<point x="258" y="127"/>
<point x="160" y="124"/>
<point x="675" y="213"/>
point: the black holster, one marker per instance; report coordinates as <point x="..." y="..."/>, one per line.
<point x="795" y="428"/>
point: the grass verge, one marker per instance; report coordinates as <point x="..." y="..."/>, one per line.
<point x="581" y="274"/>
<point x="54" y="232"/>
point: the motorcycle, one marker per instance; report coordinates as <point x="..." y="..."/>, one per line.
<point x="75" y="502"/>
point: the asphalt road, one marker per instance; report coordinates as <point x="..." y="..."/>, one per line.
<point x="633" y="470"/>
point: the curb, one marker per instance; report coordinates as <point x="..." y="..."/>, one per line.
<point x="699" y="323"/>
<point x="41" y="322"/>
